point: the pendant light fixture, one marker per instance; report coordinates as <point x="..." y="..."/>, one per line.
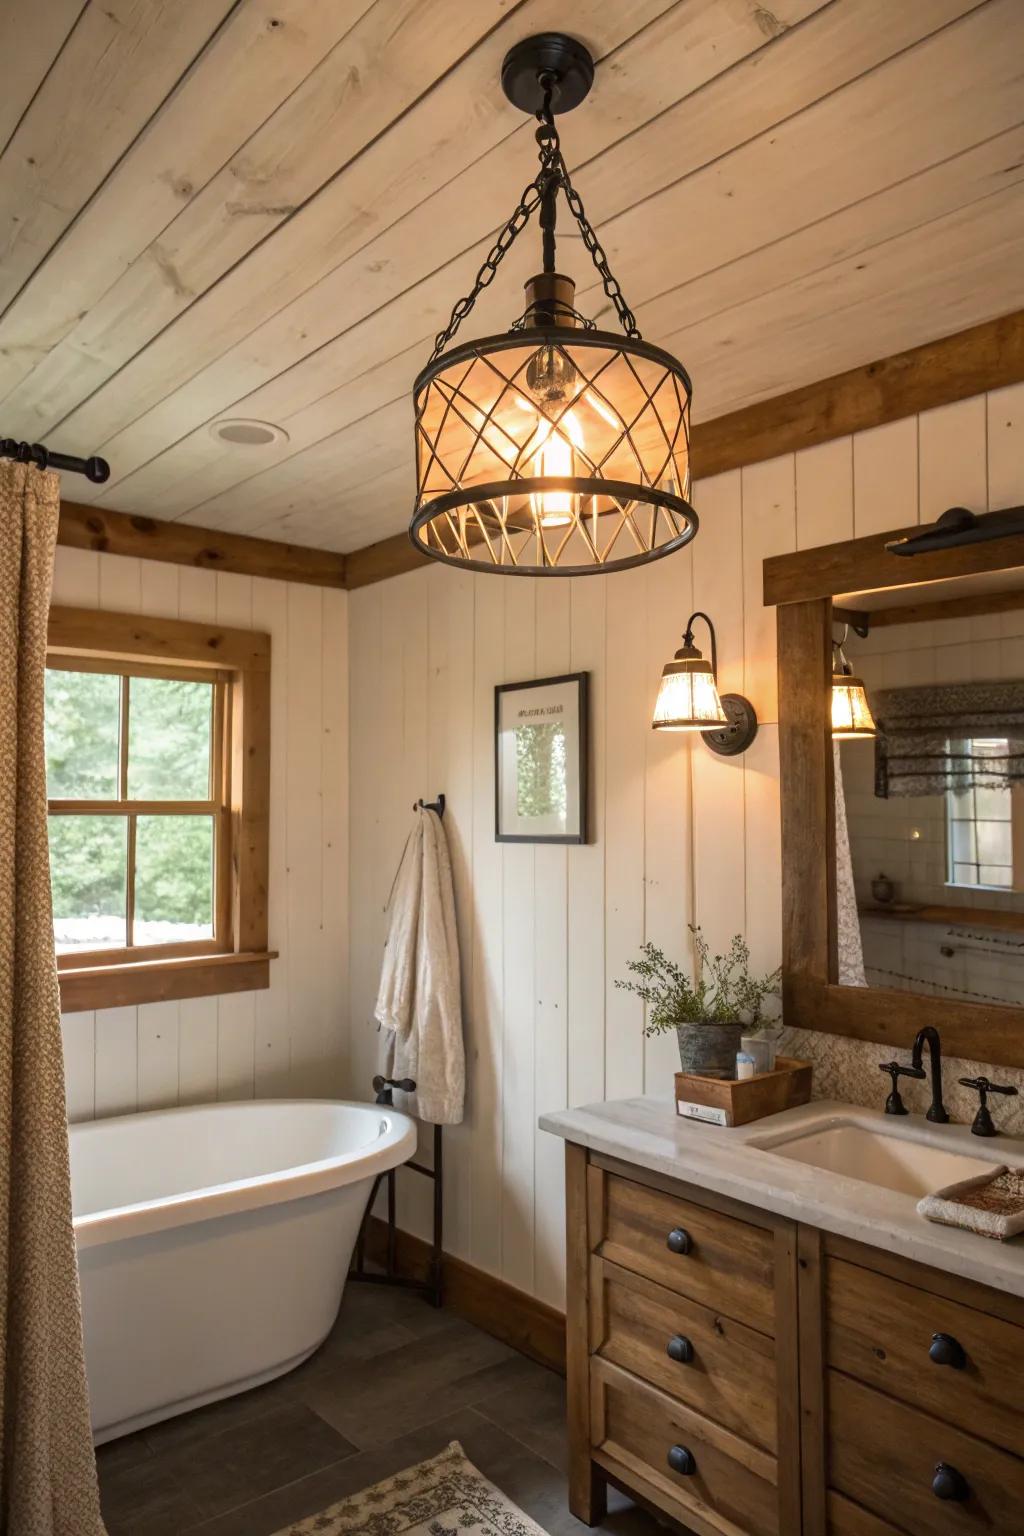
<point x="851" y="712"/>
<point x="688" y="699"/>
<point x="554" y="449"/>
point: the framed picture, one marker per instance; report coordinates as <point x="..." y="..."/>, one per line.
<point x="540" y="760"/>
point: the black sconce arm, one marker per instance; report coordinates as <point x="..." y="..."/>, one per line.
<point x="688" y="638"/>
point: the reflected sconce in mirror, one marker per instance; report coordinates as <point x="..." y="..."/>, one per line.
<point x="688" y="699"/>
<point x="851" y="713"/>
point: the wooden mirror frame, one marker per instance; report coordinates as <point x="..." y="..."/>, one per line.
<point x="801" y="586"/>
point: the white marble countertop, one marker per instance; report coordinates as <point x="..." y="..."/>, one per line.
<point x="648" y="1133"/>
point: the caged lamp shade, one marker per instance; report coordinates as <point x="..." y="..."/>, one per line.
<point x="553" y="448"/>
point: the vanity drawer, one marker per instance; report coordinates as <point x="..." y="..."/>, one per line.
<point x="883" y="1455"/>
<point x="717" y="1367"/>
<point x="880" y="1330"/>
<point x="716" y="1259"/>
<point x="718" y="1478"/>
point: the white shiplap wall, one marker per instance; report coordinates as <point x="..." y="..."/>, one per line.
<point x="291" y="1038"/>
<point x="679" y="834"/>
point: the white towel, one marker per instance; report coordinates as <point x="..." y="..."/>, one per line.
<point x="419" y="1000"/>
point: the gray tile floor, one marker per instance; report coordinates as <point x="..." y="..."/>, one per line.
<point x="393" y="1384"/>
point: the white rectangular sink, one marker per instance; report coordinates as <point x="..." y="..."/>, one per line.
<point x="889" y="1161"/>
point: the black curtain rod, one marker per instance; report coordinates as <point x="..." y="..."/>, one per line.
<point x="95" y="469"/>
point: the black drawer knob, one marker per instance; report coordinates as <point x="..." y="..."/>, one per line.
<point x="945" y="1350"/>
<point x="948" y="1483"/>
<point x="680" y="1348"/>
<point x="681" y="1461"/>
<point x="679" y="1241"/>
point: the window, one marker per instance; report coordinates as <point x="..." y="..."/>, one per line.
<point x="985" y="829"/>
<point x="157" y="761"/>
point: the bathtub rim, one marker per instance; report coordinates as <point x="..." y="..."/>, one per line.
<point x="141" y="1218"/>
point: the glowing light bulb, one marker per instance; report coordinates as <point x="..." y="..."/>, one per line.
<point x="553" y="454"/>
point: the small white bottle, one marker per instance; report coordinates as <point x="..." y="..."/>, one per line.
<point x="744" y="1066"/>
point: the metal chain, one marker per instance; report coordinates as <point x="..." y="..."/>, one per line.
<point x="552" y="169"/>
<point x="627" y="319"/>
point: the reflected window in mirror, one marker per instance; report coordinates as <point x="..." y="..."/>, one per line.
<point x="930" y="896"/>
<point x="985" y="827"/>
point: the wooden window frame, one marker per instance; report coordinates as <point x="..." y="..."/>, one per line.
<point x="237" y="662"/>
<point x="802" y="587"/>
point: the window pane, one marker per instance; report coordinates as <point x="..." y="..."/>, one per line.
<point x="173" y="879"/>
<point x="83" y="724"/>
<point x="88" y="869"/>
<point x="169" y="726"/>
<point x="995" y="842"/>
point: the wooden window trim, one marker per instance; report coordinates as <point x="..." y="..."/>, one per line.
<point x="238" y="959"/>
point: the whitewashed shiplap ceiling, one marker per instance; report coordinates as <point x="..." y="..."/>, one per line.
<point x="266" y="209"/>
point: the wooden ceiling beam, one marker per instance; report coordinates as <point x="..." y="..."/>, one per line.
<point x="988" y="356"/>
<point x="147" y="538"/>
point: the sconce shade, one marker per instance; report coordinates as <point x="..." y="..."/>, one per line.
<point x="688" y="698"/>
<point x="851" y="713"/>
<point x="552" y="451"/>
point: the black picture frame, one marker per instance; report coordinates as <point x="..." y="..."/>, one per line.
<point x="581" y="761"/>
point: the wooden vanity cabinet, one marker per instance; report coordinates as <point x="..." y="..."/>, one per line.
<point x="750" y="1376"/>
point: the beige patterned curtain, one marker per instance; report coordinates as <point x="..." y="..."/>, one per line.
<point x="47" y="1466"/>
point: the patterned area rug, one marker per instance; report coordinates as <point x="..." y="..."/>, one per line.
<point x="443" y="1497"/>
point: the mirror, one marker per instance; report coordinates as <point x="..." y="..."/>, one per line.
<point x="929" y="867"/>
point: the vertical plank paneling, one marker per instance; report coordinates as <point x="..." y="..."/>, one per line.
<point x="717" y="583"/>
<point x="117" y="1087"/>
<point x="769" y="528"/>
<point x="550" y="1021"/>
<point x="76" y="578"/>
<point x="763" y="849"/>
<point x="121" y="584"/>
<point x="158" y="589"/>
<point x="625" y="746"/>
<point x="486" y="1085"/>
<point x="824" y="494"/>
<point x="414" y="1203"/>
<point x="158" y="1055"/>
<point x="271" y="1065"/>
<point x="78" y="1034"/>
<point x="302" y="820"/>
<point x="586" y="874"/>
<point x="364" y="815"/>
<point x="1006" y="447"/>
<point x="197" y="1050"/>
<point x="518" y="937"/>
<point x="885" y="493"/>
<point x="334" y="799"/>
<point x="450" y="597"/>
<point x="668" y="852"/>
<point x="953" y="458"/>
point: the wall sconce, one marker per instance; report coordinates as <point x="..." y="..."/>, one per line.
<point x="851" y="713"/>
<point x="688" y="699"/>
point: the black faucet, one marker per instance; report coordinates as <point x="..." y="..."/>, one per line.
<point x="983" y="1123"/>
<point x="930" y="1036"/>
<point x="894" y="1104"/>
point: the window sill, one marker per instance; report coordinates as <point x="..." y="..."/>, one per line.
<point x="162" y="981"/>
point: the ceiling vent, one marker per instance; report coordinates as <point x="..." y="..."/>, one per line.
<point x="241" y="432"/>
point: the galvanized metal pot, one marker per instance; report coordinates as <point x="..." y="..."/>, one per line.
<point x="709" y="1050"/>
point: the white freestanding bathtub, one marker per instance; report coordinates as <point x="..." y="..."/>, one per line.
<point x="214" y="1242"/>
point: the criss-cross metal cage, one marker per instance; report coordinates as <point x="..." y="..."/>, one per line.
<point x="595" y="479"/>
<point x="555" y="449"/>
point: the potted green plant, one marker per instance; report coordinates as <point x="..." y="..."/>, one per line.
<point x="710" y="1013"/>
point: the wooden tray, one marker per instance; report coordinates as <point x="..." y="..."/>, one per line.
<point x="720" y="1102"/>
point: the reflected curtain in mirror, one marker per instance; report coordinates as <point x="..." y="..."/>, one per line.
<point x="950" y="736"/>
